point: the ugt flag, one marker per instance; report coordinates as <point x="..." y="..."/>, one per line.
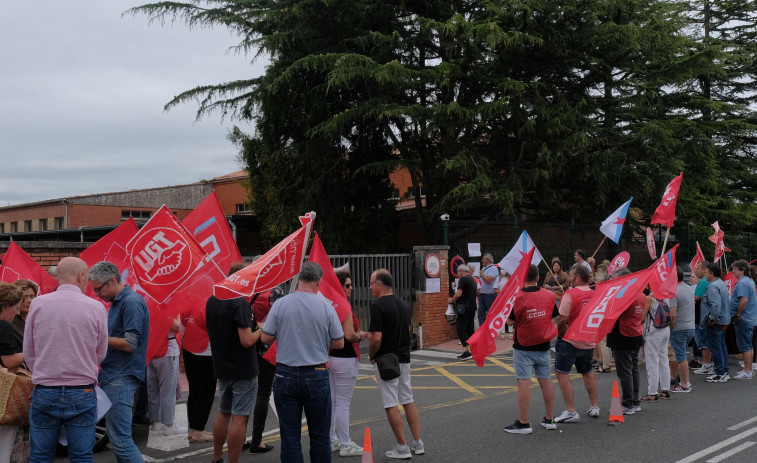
<point x="482" y="342"/>
<point x="611" y="298"/>
<point x="522" y="247"/>
<point x="164" y="255"/>
<point x="612" y="226"/>
<point x="664" y="279"/>
<point x="698" y="257"/>
<point x="665" y="214"/>
<point x="276" y="266"/>
<point x="17" y="264"/>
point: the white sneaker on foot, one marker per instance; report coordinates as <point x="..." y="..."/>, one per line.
<point x="568" y="417"/>
<point x="350" y="450"/>
<point x="174" y="430"/>
<point x="593" y="412"/>
<point x="743" y="375"/>
<point x="156" y="426"/>
<point x="398" y="454"/>
<point x="335" y="446"/>
<point x="418" y="448"/>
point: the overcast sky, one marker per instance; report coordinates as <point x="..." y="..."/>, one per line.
<point x="83" y="90"/>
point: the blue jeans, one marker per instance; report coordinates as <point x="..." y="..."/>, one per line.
<point x="53" y="408"/>
<point x="485" y="302"/>
<point x="121" y="391"/>
<point x="295" y="389"/>
<point x="718" y="348"/>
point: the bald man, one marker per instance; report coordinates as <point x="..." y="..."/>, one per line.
<point x="65" y="339"/>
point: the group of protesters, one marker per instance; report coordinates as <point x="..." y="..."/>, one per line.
<point x="73" y="346"/>
<point x="704" y="314"/>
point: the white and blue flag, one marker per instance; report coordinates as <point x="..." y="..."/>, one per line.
<point x="612" y="227"/>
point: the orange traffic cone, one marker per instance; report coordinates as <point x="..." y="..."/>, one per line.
<point x="616" y="412"/>
<point x="367" y="451"/>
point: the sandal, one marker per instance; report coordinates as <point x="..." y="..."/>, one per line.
<point x="650" y="398"/>
<point x="601" y="369"/>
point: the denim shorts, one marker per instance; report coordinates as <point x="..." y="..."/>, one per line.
<point x="567" y="355"/>
<point x="680" y="341"/>
<point x="237" y="396"/>
<point x="743" y="335"/>
<point x="528" y="362"/>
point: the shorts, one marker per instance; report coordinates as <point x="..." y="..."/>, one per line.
<point x="743" y="335"/>
<point x="700" y="337"/>
<point x="680" y="341"/>
<point x="528" y="362"/>
<point x="396" y="391"/>
<point x="567" y="355"/>
<point x="237" y="396"/>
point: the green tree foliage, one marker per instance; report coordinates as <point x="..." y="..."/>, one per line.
<point x="549" y="110"/>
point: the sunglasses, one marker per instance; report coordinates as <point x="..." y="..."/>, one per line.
<point x="348" y="285"/>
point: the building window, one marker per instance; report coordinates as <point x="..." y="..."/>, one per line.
<point x="2" y="228"/>
<point x="138" y="215"/>
<point x="27" y="225"/>
<point x="43" y="224"/>
<point x="14" y="227"/>
<point x="242" y="208"/>
<point x="395" y="194"/>
<point x="411" y="194"/>
<point x="59" y="223"/>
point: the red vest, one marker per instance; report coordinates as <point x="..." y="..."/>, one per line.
<point x="533" y="317"/>
<point x="579" y="298"/>
<point x="629" y="322"/>
<point x="195" y="332"/>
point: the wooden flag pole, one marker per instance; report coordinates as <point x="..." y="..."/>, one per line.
<point x="665" y="243"/>
<point x="551" y="273"/>
<point x="600" y="245"/>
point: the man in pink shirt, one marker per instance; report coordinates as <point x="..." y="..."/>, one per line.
<point x="65" y="339"/>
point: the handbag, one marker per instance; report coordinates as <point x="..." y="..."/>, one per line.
<point x="15" y="396"/>
<point x="388" y="366"/>
<point x="460" y="309"/>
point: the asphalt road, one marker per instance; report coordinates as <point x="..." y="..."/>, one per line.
<point x="464" y="409"/>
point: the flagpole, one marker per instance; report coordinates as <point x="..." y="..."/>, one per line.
<point x="600" y="245"/>
<point x="665" y="243"/>
<point x="308" y="228"/>
<point x="552" y="273"/>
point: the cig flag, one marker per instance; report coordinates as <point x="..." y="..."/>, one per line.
<point x="482" y="342"/>
<point x="665" y="214"/>
<point x="612" y="226"/>
<point x="522" y="247"/>
<point x="279" y="264"/>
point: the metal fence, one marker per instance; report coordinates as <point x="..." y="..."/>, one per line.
<point x="361" y="267"/>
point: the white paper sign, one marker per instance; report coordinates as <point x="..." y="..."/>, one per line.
<point x="474" y="249"/>
<point x="475" y="267"/>
<point x="433" y="285"/>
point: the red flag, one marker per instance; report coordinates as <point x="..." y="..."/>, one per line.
<point x="17" y="264"/>
<point x="717" y="238"/>
<point x="730" y="281"/>
<point x="698" y="257"/>
<point x="651" y="246"/>
<point x="611" y="298"/>
<point x="276" y="266"/>
<point x="164" y="255"/>
<point x="112" y="247"/>
<point x="330" y="287"/>
<point x="665" y="214"/>
<point x="210" y="228"/>
<point x="664" y="275"/>
<point x="482" y="342"/>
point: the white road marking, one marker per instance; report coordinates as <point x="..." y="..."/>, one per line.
<point x="156" y="439"/>
<point x="742" y="424"/>
<point x="716" y="447"/>
<point x="731" y="452"/>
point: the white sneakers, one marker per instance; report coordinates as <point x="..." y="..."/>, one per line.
<point x="705" y="369"/>
<point x="593" y="412"/>
<point x="351" y="450"/>
<point x="174" y="430"/>
<point x="568" y="417"/>
<point x="743" y="375"/>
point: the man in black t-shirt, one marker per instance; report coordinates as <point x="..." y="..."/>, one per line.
<point x="390" y="333"/>
<point x="232" y="342"/>
<point x="465" y="295"/>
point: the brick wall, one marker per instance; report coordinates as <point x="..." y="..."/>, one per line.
<point x="47" y="253"/>
<point x="429" y="308"/>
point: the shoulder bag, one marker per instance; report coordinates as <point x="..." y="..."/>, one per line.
<point x="15" y="396"/>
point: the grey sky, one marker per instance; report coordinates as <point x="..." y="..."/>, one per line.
<point x="83" y="89"/>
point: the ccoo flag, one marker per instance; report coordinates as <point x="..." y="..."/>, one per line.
<point x="664" y="279"/>
<point x="511" y="261"/>
<point x="665" y="214"/>
<point x="612" y="227"/>
<point x="482" y="342"/>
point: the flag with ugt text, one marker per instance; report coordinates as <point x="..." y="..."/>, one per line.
<point x="524" y="244"/>
<point x="112" y="247"/>
<point x="17" y="265"/>
<point x="698" y="257"/>
<point x="482" y="343"/>
<point x="612" y="226"/>
<point x="164" y="255"/>
<point x="611" y="298"/>
<point x="665" y="214"/>
<point x="664" y="279"/>
<point x="279" y="264"/>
